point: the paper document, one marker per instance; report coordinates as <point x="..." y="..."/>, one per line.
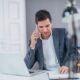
<point x="57" y="75"/>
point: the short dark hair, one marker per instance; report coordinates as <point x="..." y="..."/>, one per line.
<point x="42" y="15"/>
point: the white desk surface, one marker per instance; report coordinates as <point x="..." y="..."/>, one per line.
<point x="42" y="76"/>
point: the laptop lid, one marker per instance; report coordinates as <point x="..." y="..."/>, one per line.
<point x="13" y="64"/>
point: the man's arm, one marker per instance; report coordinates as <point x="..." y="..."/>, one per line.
<point x="65" y="68"/>
<point x="30" y="56"/>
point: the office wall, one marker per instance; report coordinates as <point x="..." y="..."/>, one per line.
<point x="55" y="7"/>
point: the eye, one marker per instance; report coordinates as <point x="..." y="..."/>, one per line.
<point x="47" y="25"/>
<point x="40" y="26"/>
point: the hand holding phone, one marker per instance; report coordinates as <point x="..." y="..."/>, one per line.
<point x="35" y="35"/>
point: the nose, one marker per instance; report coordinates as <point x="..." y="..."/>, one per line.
<point x="45" y="29"/>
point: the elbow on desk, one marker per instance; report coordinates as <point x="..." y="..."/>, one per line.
<point x="28" y="65"/>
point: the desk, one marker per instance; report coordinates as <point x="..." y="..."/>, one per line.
<point x="42" y="76"/>
<point x="65" y="79"/>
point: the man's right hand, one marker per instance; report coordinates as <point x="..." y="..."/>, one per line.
<point x="35" y="35"/>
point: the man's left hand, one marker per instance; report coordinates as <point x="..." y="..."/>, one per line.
<point x="64" y="69"/>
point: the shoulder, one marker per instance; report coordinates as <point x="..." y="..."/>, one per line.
<point x="59" y="30"/>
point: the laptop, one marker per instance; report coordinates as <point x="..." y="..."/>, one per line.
<point x="13" y="64"/>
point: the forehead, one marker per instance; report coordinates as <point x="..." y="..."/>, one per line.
<point x="44" y="22"/>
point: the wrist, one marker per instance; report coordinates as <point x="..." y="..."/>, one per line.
<point x="32" y="46"/>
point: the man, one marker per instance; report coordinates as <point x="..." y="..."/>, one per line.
<point x="47" y="46"/>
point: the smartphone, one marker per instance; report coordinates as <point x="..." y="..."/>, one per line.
<point x="37" y="31"/>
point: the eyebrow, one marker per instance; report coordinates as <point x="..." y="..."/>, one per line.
<point x="45" y="25"/>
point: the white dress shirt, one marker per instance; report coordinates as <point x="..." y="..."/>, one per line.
<point x="50" y="58"/>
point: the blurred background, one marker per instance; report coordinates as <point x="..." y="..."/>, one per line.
<point x="55" y="7"/>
